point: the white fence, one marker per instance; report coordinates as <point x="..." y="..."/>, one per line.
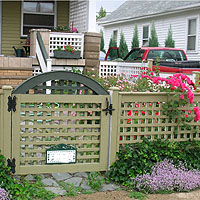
<point x="59" y="39"/>
<point x="37" y="70"/>
<point x="112" y="68"/>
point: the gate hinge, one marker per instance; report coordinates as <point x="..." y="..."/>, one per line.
<point x="11" y="164"/>
<point x="11" y="103"/>
<point x="109" y="107"/>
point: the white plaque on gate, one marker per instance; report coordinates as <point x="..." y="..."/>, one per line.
<point x="61" y="154"/>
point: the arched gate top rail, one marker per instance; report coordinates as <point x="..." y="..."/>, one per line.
<point x="60" y="82"/>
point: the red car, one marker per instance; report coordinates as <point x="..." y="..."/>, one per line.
<point x="169" y="59"/>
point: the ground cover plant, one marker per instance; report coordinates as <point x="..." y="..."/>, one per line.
<point x="139" y="158"/>
<point x="165" y="176"/>
<point x="3" y="194"/>
<point x="20" y="189"/>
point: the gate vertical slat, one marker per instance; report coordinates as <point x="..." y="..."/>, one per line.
<point x="15" y="133"/>
<point x="114" y="137"/>
<point x="6" y="129"/>
<point x="1" y="120"/>
<point x="104" y="139"/>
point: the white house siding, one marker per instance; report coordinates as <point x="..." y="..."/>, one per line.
<point x="78" y="15"/>
<point x="162" y="24"/>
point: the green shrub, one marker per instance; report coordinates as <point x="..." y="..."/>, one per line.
<point x="153" y="40"/>
<point x="21" y="190"/>
<point x="169" y="42"/>
<point x="123" y="48"/>
<point x="134" y="159"/>
<point x="102" y="42"/>
<point x="113" y="52"/>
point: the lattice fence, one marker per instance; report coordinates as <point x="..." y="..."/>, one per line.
<point x="141" y="115"/>
<point x="58" y="39"/>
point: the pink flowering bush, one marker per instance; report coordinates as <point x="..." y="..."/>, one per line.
<point x="180" y="95"/>
<point x="3" y="194"/>
<point x="120" y="81"/>
<point x="166" y="176"/>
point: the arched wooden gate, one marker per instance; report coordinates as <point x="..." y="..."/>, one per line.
<point x="70" y="114"/>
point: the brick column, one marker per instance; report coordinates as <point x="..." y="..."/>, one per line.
<point x="91" y="49"/>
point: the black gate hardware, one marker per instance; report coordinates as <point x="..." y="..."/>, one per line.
<point x="11" y="163"/>
<point x="109" y="107"/>
<point x="11" y="103"/>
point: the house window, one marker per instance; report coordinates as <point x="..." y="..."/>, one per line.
<point x="192" y="34"/>
<point x="115" y="35"/>
<point x="37" y="14"/>
<point x="145" y="39"/>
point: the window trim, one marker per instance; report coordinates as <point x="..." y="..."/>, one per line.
<point x="117" y="34"/>
<point x="22" y="14"/>
<point x="145" y="25"/>
<point x="197" y="33"/>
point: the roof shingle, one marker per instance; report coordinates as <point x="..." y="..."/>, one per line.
<point x="134" y="9"/>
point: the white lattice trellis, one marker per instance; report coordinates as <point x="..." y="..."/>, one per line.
<point x="111" y="68"/>
<point x="58" y="39"/>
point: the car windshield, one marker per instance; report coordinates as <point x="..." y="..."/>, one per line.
<point x="166" y="55"/>
<point x="136" y="54"/>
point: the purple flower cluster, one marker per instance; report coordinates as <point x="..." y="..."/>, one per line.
<point x="3" y="194"/>
<point x="166" y="176"/>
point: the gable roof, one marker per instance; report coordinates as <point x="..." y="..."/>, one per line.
<point x="133" y="9"/>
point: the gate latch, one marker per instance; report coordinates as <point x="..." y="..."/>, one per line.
<point x="109" y="107"/>
<point x="11" y="103"/>
<point x="11" y="164"/>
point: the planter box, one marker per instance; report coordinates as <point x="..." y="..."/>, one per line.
<point x="67" y="54"/>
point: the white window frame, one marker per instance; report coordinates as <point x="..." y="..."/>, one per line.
<point x="197" y="33"/>
<point x="144" y="25"/>
<point x="117" y="34"/>
<point x="22" y="14"/>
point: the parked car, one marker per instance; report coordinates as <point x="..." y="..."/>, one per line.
<point x="169" y="59"/>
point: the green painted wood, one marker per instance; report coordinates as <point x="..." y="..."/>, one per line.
<point x="35" y="81"/>
<point x="39" y="124"/>
<point x="42" y="47"/>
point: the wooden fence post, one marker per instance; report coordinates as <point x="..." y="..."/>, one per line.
<point x="195" y="78"/>
<point x="6" y="122"/>
<point x="150" y="63"/>
<point x="114" y="124"/>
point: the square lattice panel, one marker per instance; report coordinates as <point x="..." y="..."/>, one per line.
<point x="43" y="125"/>
<point x="147" y="119"/>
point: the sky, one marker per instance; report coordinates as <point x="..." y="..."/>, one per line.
<point x="109" y="5"/>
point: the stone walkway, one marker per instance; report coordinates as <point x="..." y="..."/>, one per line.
<point x="77" y="180"/>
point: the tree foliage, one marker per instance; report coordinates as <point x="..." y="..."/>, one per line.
<point x="102" y="42"/>
<point x="113" y="52"/>
<point x="123" y="48"/>
<point x="135" y="40"/>
<point x="102" y="13"/>
<point x="153" y="40"/>
<point x="169" y="42"/>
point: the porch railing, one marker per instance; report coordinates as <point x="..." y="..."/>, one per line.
<point x="59" y="39"/>
<point x="41" y="53"/>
